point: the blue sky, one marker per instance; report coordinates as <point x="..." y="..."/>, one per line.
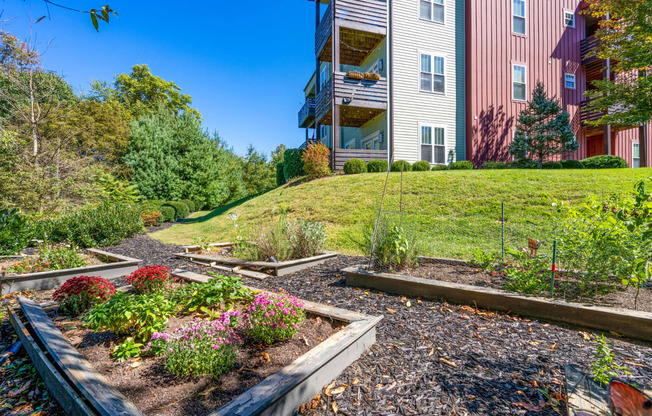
<point x="244" y="63"/>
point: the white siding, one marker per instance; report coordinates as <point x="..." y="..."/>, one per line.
<point x="410" y="36"/>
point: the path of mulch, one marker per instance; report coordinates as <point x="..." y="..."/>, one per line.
<point x="566" y="288"/>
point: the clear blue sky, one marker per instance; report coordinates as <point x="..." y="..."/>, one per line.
<point x="244" y="63"/>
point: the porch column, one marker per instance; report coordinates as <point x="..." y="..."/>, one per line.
<point x="642" y="145"/>
<point x="317" y="69"/>
<point x="336" y="68"/>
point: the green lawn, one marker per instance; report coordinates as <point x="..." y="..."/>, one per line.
<point x="453" y="211"/>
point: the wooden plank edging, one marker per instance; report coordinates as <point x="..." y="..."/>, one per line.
<point x="630" y="323"/>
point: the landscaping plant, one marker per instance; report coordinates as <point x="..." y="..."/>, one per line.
<point x="392" y="247"/>
<point x="151" y="217"/>
<point x="80" y="294"/>
<point x="14" y="231"/>
<point x="150" y="279"/>
<point x="421" y="166"/>
<point x="605" y="162"/>
<point x="462" y="165"/>
<point x="354" y="166"/>
<point x="377" y="165"/>
<point x="56" y="257"/>
<point x="293" y="164"/>
<point x="307" y="238"/>
<point x="604" y="368"/>
<point x="127" y="349"/>
<point x="316" y="160"/>
<point x="401" y="166"/>
<point x="219" y="290"/>
<point x="270" y="317"/>
<point x="527" y="272"/>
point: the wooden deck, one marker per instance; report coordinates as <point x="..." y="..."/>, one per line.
<point x="587" y="50"/>
<point x="342" y="155"/>
<point x="361" y="100"/>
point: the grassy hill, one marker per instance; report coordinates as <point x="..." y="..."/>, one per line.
<point x="452" y="211"/>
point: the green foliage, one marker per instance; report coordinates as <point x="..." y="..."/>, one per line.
<point x="61" y="257"/>
<point x="543" y="129"/>
<point x="280" y="175"/>
<point x="135" y="315"/>
<point x="604" y="162"/>
<point x="421" y="166"/>
<point x="523" y="164"/>
<point x="270" y="317"/>
<point x="128" y="349"/>
<point x="116" y="191"/>
<point x="355" y="166"/>
<point x="191" y="205"/>
<point x="316" y="161"/>
<point x="401" y="165"/>
<point x="168" y="213"/>
<point x="603" y="368"/>
<point x="219" y="290"/>
<point x="572" y="164"/>
<point x="14" y="231"/>
<point x="256" y="172"/>
<point x="440" y="167"/>
<point x="181" y="210"/>
<point x="552" y="165"/>
<point x="483" y="259"/>
<point x="377" y="165"/>
<point x="393" y="246"/>
<point x="462" y="165"/>
<point x="527" y="272"/>
<point x="491" y="164"/>
<point x="293" y="163"/>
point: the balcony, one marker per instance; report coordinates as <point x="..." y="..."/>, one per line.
<point x="588" y="47"/>
<point x="363" y="25"/>
<point x="588" y="115"/>
<point x="360" y="100"/>
<point x="307" y="113"/>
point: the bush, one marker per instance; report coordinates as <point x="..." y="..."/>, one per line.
<point x="103" y="225"/>
<point x="552" y="165"/>
<point x="191" y="205"/>
<point x="168" y="213"/>
<point x="523" y="164"/>
<point x="280" y="176"/>
<point x="354" y="166"/>
<point x="491" y="164"/>
<point x="293" y="164"/>
<point x="392" y="245"/>
<point x="181" y="210"/>
<point x="316" y="160"/>
<point x="377" y="165"/>
<point x="150" y="279"/>
<point x="440" y="167"/>
<point x="421" y="166"/>
<point x="151" y="217"/>
<point x="462" y="165"/>
<point x="14" y="231"/>
<point x="219" y="290"/>
<point x="273" y="317"/>
<point x="572" y="164"/>
<point x="79" y="294"/>
<point x="401" y="165"/>
<point x="308" y="239"/>
<point x="605" y="162"/>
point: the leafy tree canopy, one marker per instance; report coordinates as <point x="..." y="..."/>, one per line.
<point x="257" y="174"/>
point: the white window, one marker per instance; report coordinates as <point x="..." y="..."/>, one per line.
<point x="569" y="81"/>
<point x="569" y="19"/>
<point x="350" y="144"/>
<point x="432" y="73"/>
<point x="432" y="10"/>
<point x="518" y="17"/>
<point x="636" y="155"/>
<point x="433" y="143"/>
<point x="519" y="82"/>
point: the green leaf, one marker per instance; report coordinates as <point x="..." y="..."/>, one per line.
<point x="94" y="20"/>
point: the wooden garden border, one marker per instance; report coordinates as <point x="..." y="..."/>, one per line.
<point x="82" y="391"/>
<point x="633" y="324"/>
<point x="118" y="266"/>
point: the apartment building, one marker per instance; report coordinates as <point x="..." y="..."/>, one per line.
<point x="453" y="76"/>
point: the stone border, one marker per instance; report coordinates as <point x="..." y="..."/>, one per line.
<point x="118" y="266"/>
<point x="280" y="268"/>
<point x="633" y="324"/>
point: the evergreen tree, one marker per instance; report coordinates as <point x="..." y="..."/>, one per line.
<point x="542" y="129"/>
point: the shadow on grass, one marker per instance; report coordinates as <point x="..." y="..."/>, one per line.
<point x="221" y="210"/>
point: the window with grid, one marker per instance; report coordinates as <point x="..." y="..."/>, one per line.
<point x="433" y="147"/>
<point x="569" y="19"/>
<point x="432" y="10"/>
<point x="518" y="17"/>
<point x="519" y="82"/>
<point x="569" y="81"/>
<point x="636" y="155"/>
<point x="433" y="78"/>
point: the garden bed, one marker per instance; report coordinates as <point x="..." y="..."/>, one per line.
<point x="106" y="265"/>
<point x="634" y="324"/>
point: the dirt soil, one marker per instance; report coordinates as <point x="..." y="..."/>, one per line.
<point x="157" y="392"/>
<point x="565" y="287"/>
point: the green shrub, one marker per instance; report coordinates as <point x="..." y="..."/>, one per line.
<point x="421" y="166"/>
<point x="552" y="165"/>
<point x="605" y="162"/>
<point x="191" y="205"/>
<point x="14" y="231"/>
<point x="60" y="257"/>
<point x="523" y="164"/>
<point x="462" y="165"/>
<point x="280" y="176"/>
<point x="354" y="166"/>
<point x="181" y="210"/>
<point x="377" y="165"/>
<point x="440" y="167"/>
<point x="491" y="164"/>
<point x="293" y="164"/>
<point x="151" y="217"/>
<point x="401" y="165"/>
<point x="168" y="213"/>
<point x="572" y="164"/>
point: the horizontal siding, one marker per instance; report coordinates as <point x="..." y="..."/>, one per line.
<point x="410" y="107"/>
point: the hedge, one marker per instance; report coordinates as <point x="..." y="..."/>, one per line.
<point x="181" y="210"/>
<point x="440" y="167"/>
<point x="354" y="166"/>
<point x="492" y="164"/>
<point x="552" y="165"/>
<point x="462" y="165"/>
<point x="191" y="205"/>
<point x="605" y="162"/>
<point x="396" y="166"/>
<point x="168" y="213"/>
<point x="280" y="176"/>
<point x="572" y="164"/>
<point x="377" y="165"/>
<point x="293" y="164"/>
<point x="421" y="166"/>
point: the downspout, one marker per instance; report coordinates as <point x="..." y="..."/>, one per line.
<point x="390" y="84"/>
<point x="317" y="71"/>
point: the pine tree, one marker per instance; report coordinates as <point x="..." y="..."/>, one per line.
<point x="542" y="129"/>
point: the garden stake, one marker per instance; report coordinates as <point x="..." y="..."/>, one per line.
<point x="503" y="229"/>
<point x="380" y="211"/>
<point x="554" y="268"/>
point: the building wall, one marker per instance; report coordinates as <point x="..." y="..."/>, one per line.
<point x="409" y="36"/>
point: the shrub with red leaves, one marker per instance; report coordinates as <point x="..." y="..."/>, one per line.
<point x="150" y="279"/>
<point x="81" y="293"/>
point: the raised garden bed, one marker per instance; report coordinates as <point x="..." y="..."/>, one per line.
<point x="219" y="254"/>
<point x="633" y="324"/>
<point x="108" y="266"/>
<point x="272" y="381"/>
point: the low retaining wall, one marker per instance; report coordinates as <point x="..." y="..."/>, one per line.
<point x="118" y="266"/>
<point x="633" y="324"/>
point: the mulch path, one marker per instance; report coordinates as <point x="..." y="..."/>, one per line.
<point x="433" y="358"/>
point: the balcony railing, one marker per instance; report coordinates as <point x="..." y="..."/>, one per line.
<point x="352" y="93"/>
<point x="587" y="49"/>
<point x="342" y="155"/>
<point x="324" y="29"/>
<point x="307" y="113"/>
<point x="589" y="114"/>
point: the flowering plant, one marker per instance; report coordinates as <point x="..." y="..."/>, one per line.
<point x="273" y="317"/>
<point x="82" y="293"/>
<point x="150" y="279"/>
<point x="202" y="347"/>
